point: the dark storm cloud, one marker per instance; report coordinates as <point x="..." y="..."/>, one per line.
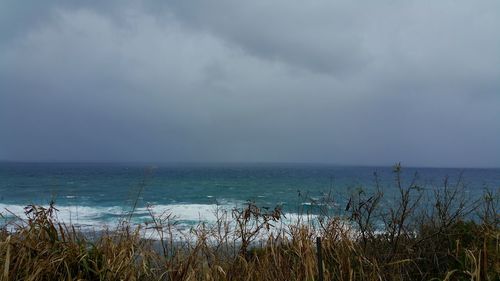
<point x="320" y="38"/>
<point x="322" y="81"/>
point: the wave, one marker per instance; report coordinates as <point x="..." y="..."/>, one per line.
<point x="96" y="218"/>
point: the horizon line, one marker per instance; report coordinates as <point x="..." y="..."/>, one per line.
<point x="163" y="162"/>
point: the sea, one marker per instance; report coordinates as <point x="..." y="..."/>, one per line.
<point x="100" y="195"/>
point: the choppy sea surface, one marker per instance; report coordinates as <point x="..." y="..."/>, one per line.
<point x="96" y="195"/>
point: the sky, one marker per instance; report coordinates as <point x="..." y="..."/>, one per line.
<point x="326" y="81"/>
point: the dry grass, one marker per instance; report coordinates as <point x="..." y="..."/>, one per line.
<point x="253" y="244"/>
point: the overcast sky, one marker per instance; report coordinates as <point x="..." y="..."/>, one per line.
<point x="343" y="82"/>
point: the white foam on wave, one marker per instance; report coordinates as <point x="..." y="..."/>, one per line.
<point x="102" y="217"/>
<point x="186" y="212"/>
<point x="99" y="215"/>
<point x="75" y="214"/>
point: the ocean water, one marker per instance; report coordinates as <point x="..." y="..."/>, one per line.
<point x="97" y="195"/>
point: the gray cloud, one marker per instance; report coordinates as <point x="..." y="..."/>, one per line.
<point x="319" y="38"/>
<point x="259" y="81"/>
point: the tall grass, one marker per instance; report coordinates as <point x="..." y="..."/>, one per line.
<point x="453" y="239"/>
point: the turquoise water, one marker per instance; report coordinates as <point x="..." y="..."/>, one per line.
<point x="96" y="194"/>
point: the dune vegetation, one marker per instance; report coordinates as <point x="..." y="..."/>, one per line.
<point x="452" y="238"/>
